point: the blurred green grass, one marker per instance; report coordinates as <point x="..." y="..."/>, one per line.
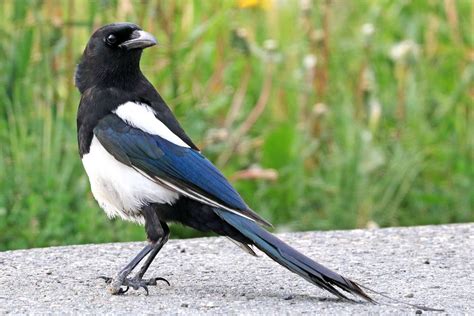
<point x="362" y="110"/>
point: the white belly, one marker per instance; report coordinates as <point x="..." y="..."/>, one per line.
<point x="119" y="189"/>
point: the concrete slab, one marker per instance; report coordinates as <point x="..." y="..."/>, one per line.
<point x="430" y="265"/>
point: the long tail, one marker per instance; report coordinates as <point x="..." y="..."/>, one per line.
<point x="293" y="260"/>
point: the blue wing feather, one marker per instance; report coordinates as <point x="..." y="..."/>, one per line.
<point x="157" y="157"/>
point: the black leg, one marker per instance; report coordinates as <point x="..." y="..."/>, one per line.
<point x="135" y="261"/>
<point x="157" y="247"/>
<point x="157" y="233"/>
<point x="116" y="282"/>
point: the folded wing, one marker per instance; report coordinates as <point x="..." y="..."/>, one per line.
<point x="181" y="169"/>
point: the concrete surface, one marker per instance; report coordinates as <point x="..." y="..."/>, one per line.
<point x="429" y="265"/>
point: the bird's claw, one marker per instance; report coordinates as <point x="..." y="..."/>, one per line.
<point x="116" y="287"/>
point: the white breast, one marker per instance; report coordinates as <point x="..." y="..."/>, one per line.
<point x="120" y="190"/>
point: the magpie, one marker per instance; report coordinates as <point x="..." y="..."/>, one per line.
<point x="143" y="167"/>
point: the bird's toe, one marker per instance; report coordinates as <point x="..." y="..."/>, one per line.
<point x="116" y="286"/>
<point x="154" y="281"/>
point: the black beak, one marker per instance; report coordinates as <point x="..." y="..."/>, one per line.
<point x="139" y="39"/>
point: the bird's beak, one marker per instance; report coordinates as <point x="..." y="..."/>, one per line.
<point x="139" y="39"/>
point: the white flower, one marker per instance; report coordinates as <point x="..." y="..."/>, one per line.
<point x="401" y="51"/>
<point x="305" y="5"/>
<point x="320" y="109"/>
<point x="368" y="29"/>
<point x="270" y="45"/>
<point x="375" y="112"/>
<point x="309" y="61"/>
<point x="242" y="32"/>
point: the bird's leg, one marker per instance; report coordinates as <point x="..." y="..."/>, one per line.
<point x="158" y="233"/>
<point x="157" y="247"/>
<point x="137" y="281"/>
<point x="115" y="283"/>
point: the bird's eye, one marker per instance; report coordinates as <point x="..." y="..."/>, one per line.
<point x="111" y="39"/>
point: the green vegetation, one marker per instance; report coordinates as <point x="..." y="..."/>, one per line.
<point x="362" y="109"/>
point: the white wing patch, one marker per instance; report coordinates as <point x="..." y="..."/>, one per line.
<point x="142" y="116"/>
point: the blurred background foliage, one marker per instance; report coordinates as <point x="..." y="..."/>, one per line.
<point x="324" y="114"/>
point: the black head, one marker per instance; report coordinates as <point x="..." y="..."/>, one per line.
<point x="112" y="55"/>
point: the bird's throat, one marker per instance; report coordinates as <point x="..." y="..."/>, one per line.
<point x="119" y="73"/>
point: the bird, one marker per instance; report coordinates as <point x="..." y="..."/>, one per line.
<point x="144" y="168"/>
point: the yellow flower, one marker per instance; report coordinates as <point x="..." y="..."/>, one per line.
<point x="262" y="4"/>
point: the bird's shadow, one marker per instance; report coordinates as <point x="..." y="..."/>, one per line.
<point x="290" y="297"/>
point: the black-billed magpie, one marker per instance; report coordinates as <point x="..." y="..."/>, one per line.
<point x="143" y="167"/>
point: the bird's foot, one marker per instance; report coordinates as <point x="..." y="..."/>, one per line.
<point x="120" y="285"/>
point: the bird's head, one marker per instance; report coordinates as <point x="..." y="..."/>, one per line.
<point x="112" y="55"/>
